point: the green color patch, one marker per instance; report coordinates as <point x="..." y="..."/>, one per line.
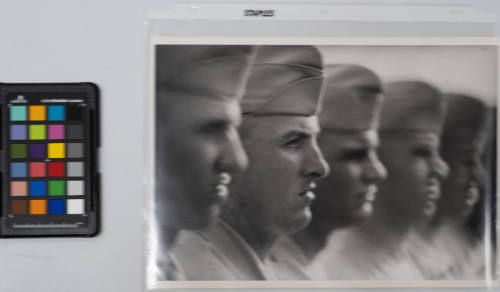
<point x="18" y="150"/>
<point x="18" y="113"/>
<point x="56" y="188"/>
<point x="38" y="132"/>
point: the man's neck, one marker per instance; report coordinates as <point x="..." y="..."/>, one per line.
<point x="314" y="237"/>
<point x="385" y="231"/>
<point x="459" y="226"/>
<point x="426" y="229"/>
<point x="259" y="239"/>
<point x="455" y="219"/>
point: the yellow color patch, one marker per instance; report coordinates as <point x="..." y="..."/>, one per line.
<point x="56" y="150"/>
<point x="37" y="113"/>
<point x="38" y="207"/>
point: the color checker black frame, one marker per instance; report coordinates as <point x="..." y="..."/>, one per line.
<point x="49" y="159"/>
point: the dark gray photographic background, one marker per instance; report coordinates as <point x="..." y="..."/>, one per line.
<point x="468" y="70"/>
<point x="106" y="42"/>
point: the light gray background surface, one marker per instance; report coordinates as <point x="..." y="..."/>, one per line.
<point x="105" y="42"/>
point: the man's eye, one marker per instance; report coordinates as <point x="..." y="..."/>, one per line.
<point x="356" y="155"/>
<point x="422" y="152"/>
<point x="214" y="128"/>
<point x="295" y="142"/>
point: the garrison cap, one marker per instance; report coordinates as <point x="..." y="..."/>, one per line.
<point x="412" y="106"/>
<point x="284" y="80"/>
<point x="465" y="125"/>
<point x="213" y="71"/>
<point x="352" y="99"/>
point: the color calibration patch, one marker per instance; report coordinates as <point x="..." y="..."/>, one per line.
<point x="47" y="159"/>
<point x="50" y="140"/>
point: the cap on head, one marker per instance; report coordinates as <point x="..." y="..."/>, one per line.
<point x="213" y="71"/>
<point x="284" y="80"/>
<point x="465" y="124"/>
<point x="352" y="99"/>
<point x="412" y="106"/>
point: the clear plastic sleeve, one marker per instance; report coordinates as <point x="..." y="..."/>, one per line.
<point x="442" y="56"/>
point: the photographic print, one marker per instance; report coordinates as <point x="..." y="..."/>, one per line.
<point x="322" y="163"/>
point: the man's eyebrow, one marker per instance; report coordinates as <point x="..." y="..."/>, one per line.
<point x="370" y="89"/>
<point x="298" y="134"/>
<point x="215" y="124"/>
<point x="357" y="148"/>
<point x="423" y="146"/>
<point x="427" y="144"/>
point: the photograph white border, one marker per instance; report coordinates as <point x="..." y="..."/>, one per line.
<point x="153" y="284"/>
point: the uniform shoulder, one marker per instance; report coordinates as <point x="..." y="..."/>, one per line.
<point x="198" y="258"/>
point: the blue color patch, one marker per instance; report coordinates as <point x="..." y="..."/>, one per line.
<point x="38" y="188"/>
<point x="18" y="169"/>
<point x="56" y="112"/>
<point x="18" y="132"/>
<point x="57" y="207"/>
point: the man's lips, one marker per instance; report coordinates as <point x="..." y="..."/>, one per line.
<point x="433" y="194"/>
<point x="308" y="189"/>
<point x="471" y="194"/>
<point x="221" y="189"/>
<point x="367" y="196"/>
<point x="433" y="189"/>
<point x="371" y="193"/>
<point x="219" y="194"/>
<point x="366" y="199"/>
<point x="307" y="194"/>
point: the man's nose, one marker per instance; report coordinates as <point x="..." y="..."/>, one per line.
<point x="315" y="164"/>
<point x="374" y="171"/>
<point x="440" y="167"/>
<point x="479" y="172"/>
<point x="233" y="158"/>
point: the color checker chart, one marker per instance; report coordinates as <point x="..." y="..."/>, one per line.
<point x="50" y="139"/>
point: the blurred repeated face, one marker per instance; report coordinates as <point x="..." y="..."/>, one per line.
<point x="347" y="194"/>
<point x="275" y="193"/>
<point x="462" y="189"/>
<point x="415" y="172"/>
<point x="198" y="150"/>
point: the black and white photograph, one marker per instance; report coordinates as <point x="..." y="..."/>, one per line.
<point x="303" y="163"/>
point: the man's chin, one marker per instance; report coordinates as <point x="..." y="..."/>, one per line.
<point x="363" y="212"/>
<point x="430" y="209"/>
<point x="299" y="222"/>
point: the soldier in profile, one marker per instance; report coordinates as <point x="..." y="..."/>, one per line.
<point x="450" y="248"/>
<point x="349" y="120"/>
<point x="273" y="197"/>
<point x="198" y="150"/>
<point x="410" y="127"/>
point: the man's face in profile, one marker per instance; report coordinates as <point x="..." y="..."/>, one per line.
<point x="284" y="161"/>
<point x="346" y="195"/>
<point x="415" y="171"/>
<point x="198" y="150"/>
<point x="462" y="189"/>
